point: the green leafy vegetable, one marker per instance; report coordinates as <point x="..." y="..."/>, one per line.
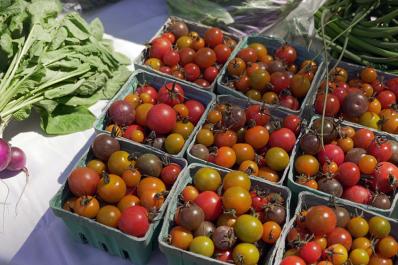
<point x="59" y="66"/>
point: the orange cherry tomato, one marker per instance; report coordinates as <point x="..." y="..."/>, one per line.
<point x="128" y="201"/>
<point x="257" y="137"/>
<point x="141" y="112"/>
<point x="214" y="116"/>
<point x="131" y="177"/>
<point x="346" y="144"/>
<point x="133" y="99"/>
<point x="150" y="183"/>
<point x="374" y="106"/>
<point x="330" y="167"/>
<point x="348" y="131"/>
<point x="367" y="164"/>
<point x="243" y="152"/>
<point x="111" y="188"/>
<point x="225" y="157"/>
<point x="189" y="193"/>
<point x="86" y="206"/>
<point x="271" y="232"/>
<point x="109" y="215"/>
<point x="152" y="200"/>
<point x="181" y="110"/>
<point x="268" y="174"/>
<point x="306" y="164"/>
<point x="249" y="167"/>
<point x="180" y="237"/>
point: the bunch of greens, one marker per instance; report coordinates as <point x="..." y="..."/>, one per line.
<point x="242" y="17"/>
<point x="363" y="31"/>
<point x="59" y="66"/>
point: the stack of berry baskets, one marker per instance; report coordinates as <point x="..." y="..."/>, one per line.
<point x="221" y="217"/>
<point x="156" y="111"/>
<point x="356" y="164"/>
<point x="188" y="51"/>
<point x="270" y="70"/>
<point x="248" y="136"/>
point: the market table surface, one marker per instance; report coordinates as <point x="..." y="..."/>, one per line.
<point x="34" y="235"/>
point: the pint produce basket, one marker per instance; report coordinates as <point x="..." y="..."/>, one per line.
<point x="157" y="81"/>
<point x="112" y="240"/>
<point x="276" y="112"/>
<point x="272" y="44"/>
<point x="307" y="200"/>
<point x="176" y="256"/>
<point x="296" y="188"/>
<point x="192" y="26"/>
<point x="353" y="73"/>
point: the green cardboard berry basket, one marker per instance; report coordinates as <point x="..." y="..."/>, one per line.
<point x="176" y="256"/>
<point x="296" y="188"/>
<point x="276" y="112"/>
<point x="112" y="240"/>
<point x="307" y="200"/>
<point x="139" y="62"/>
<point x="157" y="81"/>
<point x="353" y="73"/>
<point x="272" y="44"/>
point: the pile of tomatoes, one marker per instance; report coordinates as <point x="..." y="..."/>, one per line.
<point x="225" y="218"/>
<point x="163" y="119"/>
<point x="119" y="189"/>
<point x="355" y="164"/>
<point x="271" y="79"/>
<point x="325" y="235"/>
<point x="250" y="140"/>
<point x="185" y="54"/>
<point x="368" y="100"/>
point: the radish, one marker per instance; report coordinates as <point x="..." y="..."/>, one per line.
<point x="12" y="159"/>
<point x="5" y="154"/>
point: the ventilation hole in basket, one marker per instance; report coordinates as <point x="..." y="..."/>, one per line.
<point x="104" y="247"/>
<point x="125" y="254"/>
<point x="83" y="238"/>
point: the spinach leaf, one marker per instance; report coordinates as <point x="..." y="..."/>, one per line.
<point x="66" y="119"/>
<point x="97" y="29"/>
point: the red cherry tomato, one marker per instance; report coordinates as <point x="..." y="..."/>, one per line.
<point x="171" y="58"/>
<point x="310" y="252"/>
<point x="358" y="194"/>
<point x="222" y="53"/>
<point x="331" y="153"/>
<point x="283" y="138"/>
<point x="210" y="203"/>
<point x="293" y="260"/>
<point x="148" y="90"/>
<point x="340" y="236"/>
<point x="385" y="177"/>
<point x="210" y="73"/>
<point x="258" y="113"/>
<point x="380" y="148"/>
<point x="196" y="110"/>
<point x="192" y="71"/>
<point x="171" y="94"/>
<point x="292" y="122"/>
<point x="159" y="46"/>
<point x="134" y="221"/>
<point x="348" y="174"/>
<point x="83" y="181"/>
<point x="161" y="118"/>
<point x="287" y="53"/>
<point x="170" y="173"/>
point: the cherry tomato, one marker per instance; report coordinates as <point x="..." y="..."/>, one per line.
<point x="300" y="85"/>
<point x="205" y="57"/>
<point x="259" y="79"/>
<point x="225" y="157"/>
<point x="227" y="138"/>
<point x="236" y="67"/>
<point x="358" y="227"/>
<point x="184" y="128"/>
<point x="292" y="122"/>
<point x="359" y="256"/>
<point x="152" y="200"/>
<point x="320" y="220"/>
<point x="340" y="236"/>
<point x="283" y="138"/>
<point x="380" y="149"/>
<point x="363" y="243"/>
<point x="154" y="63"/>
<point x="348" y="174"/>
<point x="249" y="167"/>
<point x="346" y="144"/>
<point x="149" y="184"/>
<point x="306" y="164"/>
<point x="268" y="174"/>
<point x="180" y="237"/>
<point x="83" y="181"/>
<point x="109" y="215"/>
<point x="277" y="158"/>
<point x="332" y="104"/>
<point x="134" y="221"/>
<point x="236" y="178"/>
<point x="111" y="188"/>
<point x="184" y="42"/>
<point x="311" y="252"/>
<point x="187" y="55"/>
<point x="287" y="53"/>
<point x="246" y="254"/>
<point x="367" y="164"/>
<point x="189" y="193"/>
<point x="128" y="201"/>
<point x="213" y="37"/>
<point x="174" y="143"/>
<point x="376" y="260"/>
<point x="142" y="113"/>
<point x="387" y="247"/>
<point x="271" y="232"/>
<point x="248" y="55"/>
<point x="337" y="254"/>
<point x="86" y="206"/>
<point x="363" y="138"/>
<point x="257" y="137"/>
<point x="293" y="260"/>
<point x="202" y="245"/>
<point x="368" y="74"/>
<point x="331" y="152"/>
<point x="237" y="199"/>
<point x="248" y="228"/>
<point x="181" y="110"/>
<point x="97" y="165"/>
<point x="379" y="227"/>
<point x="210" y="203"/>
<point x="222" y="53"/>
<point x="207" y="179"/>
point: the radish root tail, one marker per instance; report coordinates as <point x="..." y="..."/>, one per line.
<point x="25" y="170"/>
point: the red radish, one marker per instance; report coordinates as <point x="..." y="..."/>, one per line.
<point x="5" y="154"/>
